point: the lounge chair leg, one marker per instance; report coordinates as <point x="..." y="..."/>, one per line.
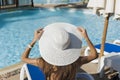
<point x="101" y="75"/>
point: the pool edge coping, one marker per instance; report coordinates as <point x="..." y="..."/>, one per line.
<point x="10" y="68"/>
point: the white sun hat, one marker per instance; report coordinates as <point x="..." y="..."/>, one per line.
<point x="60" y="44"/>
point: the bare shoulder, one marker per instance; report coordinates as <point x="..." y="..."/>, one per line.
<point x="82" y="60"/>
<point x="40" y="62"/>
<point x="78" y="62"/>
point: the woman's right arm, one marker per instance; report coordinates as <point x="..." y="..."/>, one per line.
<point x="93" y="53"/>
<point x="25" y="55"/>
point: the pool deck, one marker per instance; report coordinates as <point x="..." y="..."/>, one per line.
<point x="13" y="72"/>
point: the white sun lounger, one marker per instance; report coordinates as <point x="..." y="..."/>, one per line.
<point x="112" y="61"/>
<point x="111" y="58"/>
<point x="109" y="48"/>
<point x="34" y="73"/>
<point x="117" y="42"/>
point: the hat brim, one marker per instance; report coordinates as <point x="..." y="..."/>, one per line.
<point x="56" y="56"/>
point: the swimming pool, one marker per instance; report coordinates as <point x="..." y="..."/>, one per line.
<point x="17" y="28"/>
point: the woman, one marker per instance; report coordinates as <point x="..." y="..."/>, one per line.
<point x="54" y="43"/>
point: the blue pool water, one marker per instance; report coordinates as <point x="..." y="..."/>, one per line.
<point x="17" y="28"/>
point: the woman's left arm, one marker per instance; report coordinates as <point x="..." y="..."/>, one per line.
<point x="25" y="55"/>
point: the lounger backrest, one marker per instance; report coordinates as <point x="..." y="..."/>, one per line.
<point x="32" y="72"/>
